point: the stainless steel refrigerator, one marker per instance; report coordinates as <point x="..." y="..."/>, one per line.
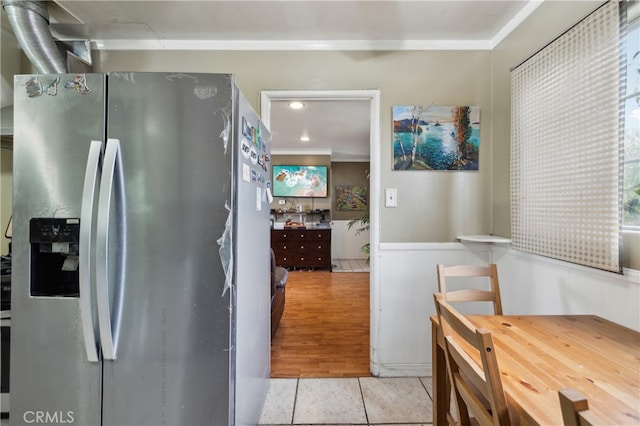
<point x="141" y="284"/>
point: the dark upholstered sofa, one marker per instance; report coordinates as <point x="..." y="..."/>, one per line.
<point x="278" y="287"/>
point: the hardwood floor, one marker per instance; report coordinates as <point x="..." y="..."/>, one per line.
<point x="324" y="331"/>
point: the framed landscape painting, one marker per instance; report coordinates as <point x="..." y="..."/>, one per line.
<point x="351" y="198"/>
<point x="436" y="137"/>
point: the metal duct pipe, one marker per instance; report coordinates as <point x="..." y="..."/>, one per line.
<point x="30" y="23"/>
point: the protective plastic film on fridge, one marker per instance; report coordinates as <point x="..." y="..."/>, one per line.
<point x="140" y="251"/>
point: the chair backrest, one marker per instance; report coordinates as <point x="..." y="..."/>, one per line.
<point x="575" y="408"/>
<point x="471" y="380"/>
<point x="471" y="295"/>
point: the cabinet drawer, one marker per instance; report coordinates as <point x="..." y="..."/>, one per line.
<point x="284" y="247"/>
<point x="317" y="235"/>
<point x="313" y="247"/>
<point x="286" y="260"/>
<point x="313" y="260"/>
<point x="284" y="235"/>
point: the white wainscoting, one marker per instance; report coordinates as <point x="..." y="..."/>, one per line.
<point x="405" y="302"/>
<point x="345" y="244"/>
<point x="532" y="284"/>
<point x="403" y="297"/>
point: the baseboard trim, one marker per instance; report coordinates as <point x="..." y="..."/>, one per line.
<point x="404" y="370"/>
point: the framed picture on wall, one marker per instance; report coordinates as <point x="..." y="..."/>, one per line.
<point x="436" y="137"/>
<point x="351" y="198"/>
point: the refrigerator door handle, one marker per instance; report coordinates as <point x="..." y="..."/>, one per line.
<point x="86" y="225"/>
<point x="112" y="170"/>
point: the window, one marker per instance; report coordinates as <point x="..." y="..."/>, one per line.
<point x="566" y="139"/>
<point x="631" y="187"/>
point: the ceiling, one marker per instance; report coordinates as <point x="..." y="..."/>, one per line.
<point x="339" y="128"/>
<point x="314" y="24"/>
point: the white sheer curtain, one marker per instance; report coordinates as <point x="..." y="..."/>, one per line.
<point x="566" y="145"/>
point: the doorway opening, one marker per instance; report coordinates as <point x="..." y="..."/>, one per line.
<point x="372" y="97"/>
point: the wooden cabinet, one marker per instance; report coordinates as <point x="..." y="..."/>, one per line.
<point x="302" y="248"/>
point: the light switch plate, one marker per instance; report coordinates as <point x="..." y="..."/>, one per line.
<point x="281" y="202"/>
<point x="391" y="197"/>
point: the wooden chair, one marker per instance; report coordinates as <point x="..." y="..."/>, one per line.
<point x="468" y="295"/>
<point x="477" y="386"/>
<point x="575" y="408"/>
<point x="471" y="295"/>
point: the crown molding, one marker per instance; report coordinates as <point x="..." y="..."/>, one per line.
<point x="292" y="45"/>
<point x="517" y="20"/>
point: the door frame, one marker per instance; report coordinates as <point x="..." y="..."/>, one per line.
<point x="373" y="96"/>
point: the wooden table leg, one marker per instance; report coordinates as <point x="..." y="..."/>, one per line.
<point x="439" y="380"/>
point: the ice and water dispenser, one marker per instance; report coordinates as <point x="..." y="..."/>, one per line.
<point x="54" y="257"/>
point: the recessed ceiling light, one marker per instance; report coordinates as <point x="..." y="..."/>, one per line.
<point x="296" y="105"/>
<point x="305" y="139"/>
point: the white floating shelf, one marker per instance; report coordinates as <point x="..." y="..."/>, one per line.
<point x="484" y="239"/>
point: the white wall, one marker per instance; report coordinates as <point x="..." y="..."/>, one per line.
<point x="536" y="285"/>
<point x="406" y="287"/>
<point x="529" y="285"/>
<point x="432" y="206"/>
<point x="345" y="244"/>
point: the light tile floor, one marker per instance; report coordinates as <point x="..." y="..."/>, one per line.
<point x="352" y="401"/>
<point x="405" y="401"/>
<point x="350" y="265"/>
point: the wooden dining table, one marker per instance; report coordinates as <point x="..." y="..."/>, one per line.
<point x="539" y="355"/>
